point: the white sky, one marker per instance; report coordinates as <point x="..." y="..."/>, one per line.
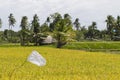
<point x="86" y="10"/>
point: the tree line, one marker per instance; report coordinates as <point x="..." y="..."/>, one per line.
<point x="61" y="28"/>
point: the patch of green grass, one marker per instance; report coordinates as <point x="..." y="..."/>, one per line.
<point x="62" y="64"/>
<point x="94" y="46"/>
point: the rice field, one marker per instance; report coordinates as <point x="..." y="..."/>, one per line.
<point x="62" y="64"/>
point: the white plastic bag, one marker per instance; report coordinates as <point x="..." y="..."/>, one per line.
<point x="36" y="58"/>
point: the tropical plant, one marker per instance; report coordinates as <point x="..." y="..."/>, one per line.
<point x="77" y="24"/>
<point x="36" y="29"/>
<point x="24" y="33"/>
<point x="117" y="28"/>
<point x="110" y="26"/>
<point x="92" y="30"/>
<point x="61" y="26"/>
<point x="12" y="22"/>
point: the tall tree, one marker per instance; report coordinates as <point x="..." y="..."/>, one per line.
<point x="24" y="30"/>
<point x="61" y="27"/>
<point x="55" y="18"/>
<point x="48" y="21"/>
<point x="92" y="30"/>
<point x="24" y="23"/>
<point x="77" y="27"/>
<point x="110" y="26"/>
<point x="117" y="28"/>
<point x="46" y="26"/>
<point x="12" y="22"/>
<point x="77" y="24"/>
<point x="36" y="28"/>
<point x="67" y="19"/>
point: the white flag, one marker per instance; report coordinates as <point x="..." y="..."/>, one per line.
<point x="36" y="58"/>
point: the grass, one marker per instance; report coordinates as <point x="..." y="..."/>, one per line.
<point x="94" y="46"/>
<point x="62" y="64"/>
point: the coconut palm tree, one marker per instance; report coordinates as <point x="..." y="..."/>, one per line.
<point x="61" y="28"/>
<point x="117" y="28"/>
<point x="35" y="28"/>
<point x="12" y="22"/>
<point x="77" y="24"/>
<point x="92" y="30"/>
<point x="48" y="20"/>
<point x="24" y="30"/>
<point x="110" y="25"/>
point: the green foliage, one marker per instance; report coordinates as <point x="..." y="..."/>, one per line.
<point x="7" y="38"/>
<point x="24" y="23"/>
<point x="79" y="35"/>
<point x="35" y="24"/>
<point x="92" y="30"/>
<point x="110" y="25"/>
<point x="77" y="24"/>
<point x="5" y="33"/>
<point x="36" y="29"/>
<point x="60" y="27"/>
<point x="44" y="28"/>
<point x="25" y="32"/>
<point x="11" y="20"/>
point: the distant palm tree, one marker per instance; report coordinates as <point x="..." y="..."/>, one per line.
<point x="110" y="25"/>
<point x="35" y="28"/>
<point x="77" y="24"/>
<point x="67" y="16"/>
<point x="92" y="29"/>
<point x="117" y="28"/>
<point x="12" y="22"/>
<point x="47" y="24"/>
<point x="55" y="18"/>
<point x="24" y="29"/>
<point x="48" y="20"/>
<point x="24" y="23"/>
<point x="94" y="25"/>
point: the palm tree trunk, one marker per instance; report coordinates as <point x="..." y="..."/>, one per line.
<point x="11" y="33"/>
<point x="59" y="41"/>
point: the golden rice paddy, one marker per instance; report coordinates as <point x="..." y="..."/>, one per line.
<point x="62" y="64"/>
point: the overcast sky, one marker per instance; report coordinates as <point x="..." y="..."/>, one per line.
<point x="86" y="10"/>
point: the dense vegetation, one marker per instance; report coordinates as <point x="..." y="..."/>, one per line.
<point x="61" y="28"/>
<point x="62" y="64"/>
